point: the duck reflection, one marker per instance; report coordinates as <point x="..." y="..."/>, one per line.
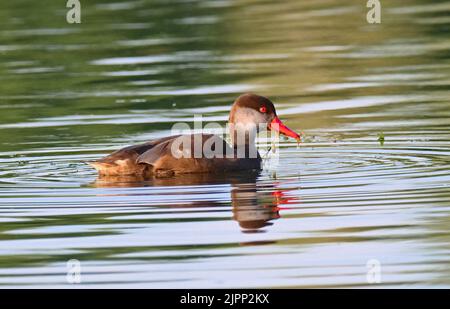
<point x="254" y="204"/>
<point x="253" y="209"/>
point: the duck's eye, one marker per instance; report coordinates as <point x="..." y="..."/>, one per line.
<point x="263" y="109"/>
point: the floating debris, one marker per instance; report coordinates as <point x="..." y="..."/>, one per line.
<point x="381" y="138"/>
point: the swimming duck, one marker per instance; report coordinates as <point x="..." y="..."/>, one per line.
<point x="201" y="153"/>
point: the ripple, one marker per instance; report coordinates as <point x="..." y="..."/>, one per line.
<point x="179" y="56"/>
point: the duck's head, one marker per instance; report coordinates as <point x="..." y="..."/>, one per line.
<point x="251" y="110"/>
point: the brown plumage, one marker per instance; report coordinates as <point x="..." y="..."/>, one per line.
<point x="177" y="154"/>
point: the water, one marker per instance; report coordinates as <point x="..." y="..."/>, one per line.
<point x="70" y="93"/>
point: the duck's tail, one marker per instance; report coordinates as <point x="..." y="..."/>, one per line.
<point x="101" y="167"/>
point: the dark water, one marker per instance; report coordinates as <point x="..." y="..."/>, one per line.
<point x="70" y="93"/>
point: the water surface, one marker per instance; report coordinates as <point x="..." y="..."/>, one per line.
<point x="131" y="69"/>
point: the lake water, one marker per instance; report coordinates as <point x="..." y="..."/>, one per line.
<point x="342" y="208"/>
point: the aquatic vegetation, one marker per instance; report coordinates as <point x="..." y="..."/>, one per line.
<point x="381" y="138"/>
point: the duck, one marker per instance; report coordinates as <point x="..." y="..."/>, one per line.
<point x="201" y="152"/>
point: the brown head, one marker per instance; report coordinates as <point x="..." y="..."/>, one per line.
<point x="254" y="110"/>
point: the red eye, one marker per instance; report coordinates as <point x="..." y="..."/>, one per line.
<point x="263" y="109"/>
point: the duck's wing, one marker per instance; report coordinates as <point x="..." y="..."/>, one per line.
<point x="151" y="155"/>
<point x="163" y="149"/>
<point x="136" y="150"/>
<point x="192" y="153"/>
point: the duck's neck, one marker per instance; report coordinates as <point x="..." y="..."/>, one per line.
<point x="243" y="140"/>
